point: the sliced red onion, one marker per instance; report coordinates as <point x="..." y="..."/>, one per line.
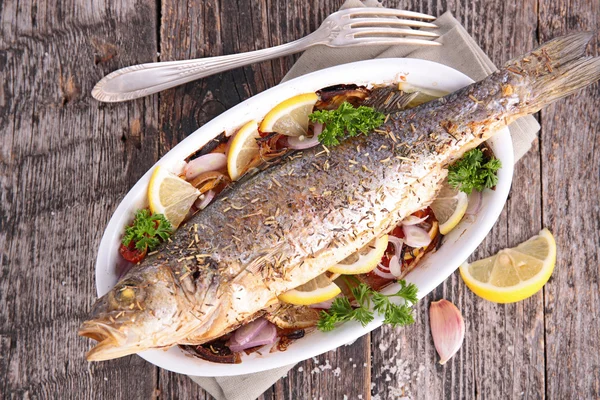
<point x="475" y="202"/>
<point x="297" y="143"/>
<point x="397" y="242"/>
<point x="123" y="268"/>
<point x="395" y="267"/>
<point x="302" y="142"/>
<point x="415" y="236"/>
<point x="384" y="275"/>
<point x="325" y="305"/>
<point x="266" y="335"/>
<point x="317" y="129"/>
<point x="204" y="200"/>
<point x="383" y="267"/>
<point x="205" y="163"/>
<point x="412" y="220"/>
<point x="249" y="331"/>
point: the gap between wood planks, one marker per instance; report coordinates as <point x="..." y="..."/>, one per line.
<point x="538" y="34"/>
<point x="158" y="6"/>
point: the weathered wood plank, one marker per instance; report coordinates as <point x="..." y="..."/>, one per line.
<point x="503" y="351"/>
<point x="65" y="162"/>
<point x="333" y="375"/>
<point x="569" y="164"/>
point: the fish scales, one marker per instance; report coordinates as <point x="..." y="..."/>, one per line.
<point x="310" y="225"/>
<point x="198" y="288"/>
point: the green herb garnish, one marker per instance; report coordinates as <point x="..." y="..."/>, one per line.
<point x="346" y="121"/>
<point x="472" y="172"/>
<point x="147" y="230"/>
<point x="396" y="315"/>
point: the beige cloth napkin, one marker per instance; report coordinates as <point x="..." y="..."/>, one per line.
<point x="460" y="52"/>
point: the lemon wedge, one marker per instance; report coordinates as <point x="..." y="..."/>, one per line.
<point x="242" y="150"/>
<point x="170" y="195"/>
<point x="290" y="117"/>
<point x="513" y="274"/>
<point x="314" y="291"/>
<point x="449" y="207"/>
<point x="364" y="260"/>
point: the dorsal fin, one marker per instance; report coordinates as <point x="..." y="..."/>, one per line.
<point x="387" y="99"/>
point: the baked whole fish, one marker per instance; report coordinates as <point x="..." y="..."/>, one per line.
<point x="284" y="226"/>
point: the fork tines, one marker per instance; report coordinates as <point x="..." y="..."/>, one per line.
<point x="357" y="12"/>
<point x="356" y="22"/>
<point x="388" y="26"/>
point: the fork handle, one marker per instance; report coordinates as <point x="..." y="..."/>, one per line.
<point x="144" y="79"/>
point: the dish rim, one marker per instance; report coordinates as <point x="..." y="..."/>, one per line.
<point x="412" y="71"/>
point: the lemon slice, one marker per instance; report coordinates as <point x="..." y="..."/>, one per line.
<point x="242" y="150"/>
<point x="312" y="292"/>
<point x="364" y="260"/>
<point x="170" y="195"/>
<point x="449" y="207"/>
<point x="513" y="274"/>
<point x="290" y="117"/>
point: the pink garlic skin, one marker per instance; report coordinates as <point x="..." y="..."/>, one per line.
<point x="447" y="328"/>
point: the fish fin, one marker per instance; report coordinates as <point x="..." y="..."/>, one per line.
<point x="387" y="99"/>
<point x="555" y="69"/>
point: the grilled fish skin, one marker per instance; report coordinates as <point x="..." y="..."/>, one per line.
<point x="286" y="225"/>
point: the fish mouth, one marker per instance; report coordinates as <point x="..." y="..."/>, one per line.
<point x="111" y="341"/>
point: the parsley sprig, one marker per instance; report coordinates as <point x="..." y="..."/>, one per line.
<point x="396" y="315"/>
<point x="472" y="172"/>
<point x="147" y="230"/>
<point x="346" y="121"/>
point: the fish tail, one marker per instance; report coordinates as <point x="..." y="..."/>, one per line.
<point x="554" y="70"/>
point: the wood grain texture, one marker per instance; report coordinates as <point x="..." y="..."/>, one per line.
<point x="570" y="148"/>
<point x="66" y="161"/>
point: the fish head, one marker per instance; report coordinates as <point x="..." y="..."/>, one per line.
<point x="140" y="312"/>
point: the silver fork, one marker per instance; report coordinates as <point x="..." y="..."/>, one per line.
<point x="351" y="27"/>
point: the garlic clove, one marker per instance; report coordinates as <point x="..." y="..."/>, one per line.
<point x="447" y="328"/>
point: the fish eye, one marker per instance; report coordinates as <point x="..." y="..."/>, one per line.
<point x="128" y="293"/>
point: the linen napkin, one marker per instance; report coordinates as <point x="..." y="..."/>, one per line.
<point x="458" y="51"/>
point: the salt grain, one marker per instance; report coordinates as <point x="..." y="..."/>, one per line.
<point x="326" y="366"/>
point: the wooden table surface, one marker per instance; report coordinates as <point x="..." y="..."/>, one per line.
<point x="67" y="160"/>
